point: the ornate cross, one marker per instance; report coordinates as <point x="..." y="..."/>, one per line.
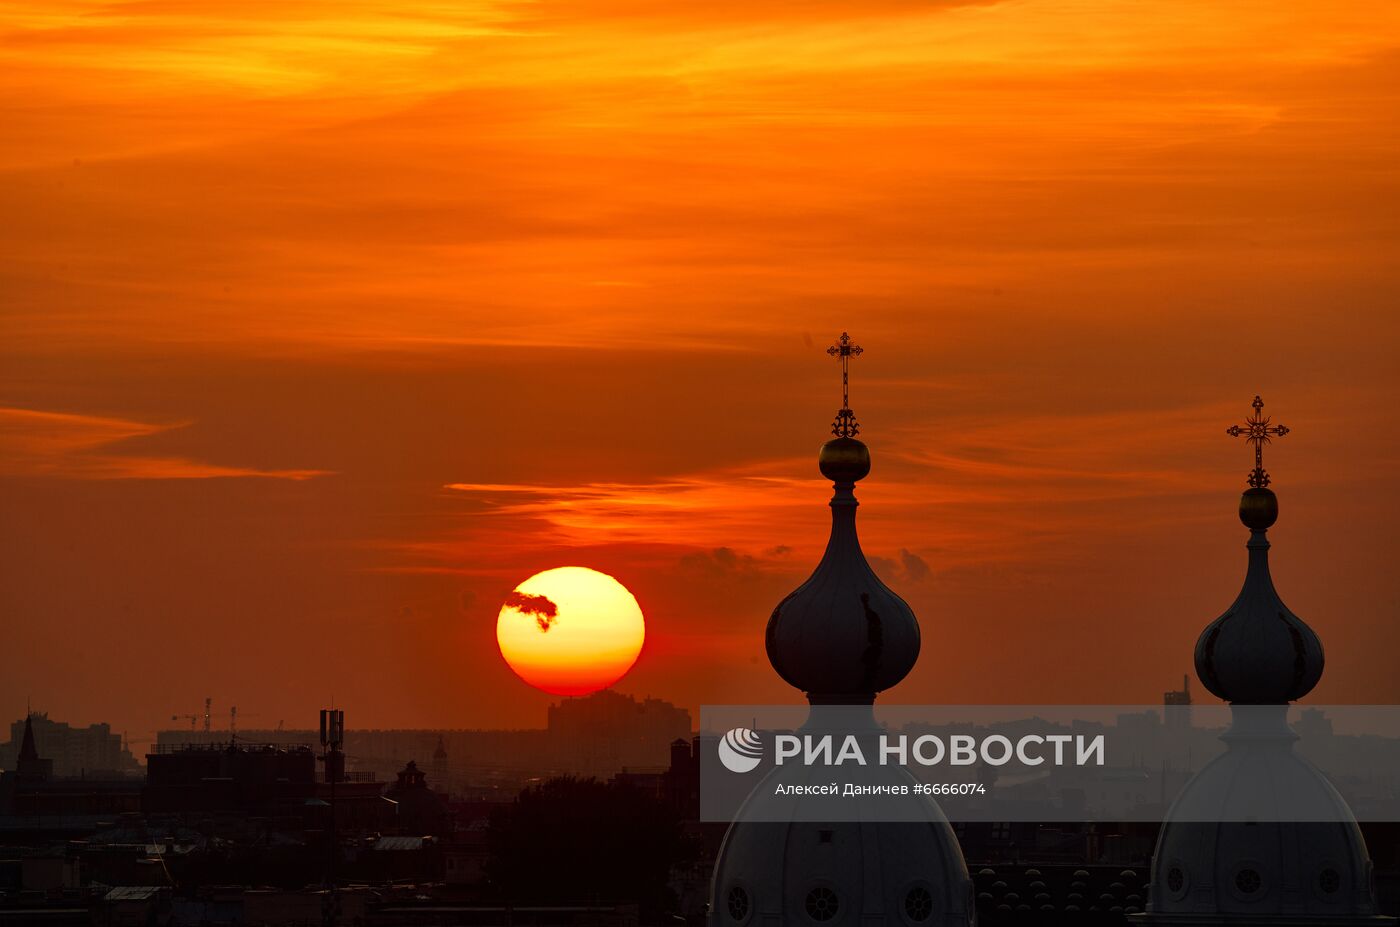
<point x="1257" y="431"/>
<point x="845" y="425"/>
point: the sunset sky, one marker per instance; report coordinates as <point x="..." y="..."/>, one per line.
<point x="323" y="325"/>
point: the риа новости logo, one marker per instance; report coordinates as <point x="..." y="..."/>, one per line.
<point x="741" y="750"/>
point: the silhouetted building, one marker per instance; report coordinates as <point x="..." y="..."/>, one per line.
<point x="1178" y="705"/>
<point x="595" y="735"/>
<point x="248" y="779"/>
<point x="71" y="751"/>
<point x="418" y="809"/>
<point x="606" y="732"/>
<point x="682" y="787"/>
<point x="439" y="769"/>
<point x="36" y="803"/>
<point x="1313" y="724"/>
<point x="1210" y="867"/>
<point x="842" y="637"/>
<point x="28" y="765"/>
<point x="269" y="781"/>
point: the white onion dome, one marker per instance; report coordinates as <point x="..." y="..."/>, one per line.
<point x="1260" y="835"/>
<point x="797" y="872"/>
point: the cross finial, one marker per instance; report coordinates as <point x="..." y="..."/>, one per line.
<point x="845" y="425"/>
<point x="1258" y="431"/>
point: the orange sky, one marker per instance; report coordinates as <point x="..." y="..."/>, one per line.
<point x="322" y="325"/>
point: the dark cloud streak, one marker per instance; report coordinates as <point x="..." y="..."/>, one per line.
<point x="539" y="607"/>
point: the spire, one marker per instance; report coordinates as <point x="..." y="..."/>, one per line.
<point x="29" y="765"/>
<point x="843" y="635"/>
<point x="28" y="753"/>
<point x="1259" y="652"/>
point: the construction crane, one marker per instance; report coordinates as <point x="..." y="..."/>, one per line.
<point x="193" y="719"/>
<point x="233" y="714"/>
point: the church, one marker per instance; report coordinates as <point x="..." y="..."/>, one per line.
<point x="843" y="637"/>
<point x="1210" y="867"/>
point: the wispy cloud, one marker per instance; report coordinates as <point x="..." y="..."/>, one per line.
<point x="182" y="175"/>
<point x="35" y="443"/>
<point x="1015" y="490"/>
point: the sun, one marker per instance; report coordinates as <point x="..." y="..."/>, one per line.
<point x="571" y="630"/>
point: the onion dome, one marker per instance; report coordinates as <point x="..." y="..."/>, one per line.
<point x="1259" y="652"/>
<point x="1259" y="835"/>
<point x="843" y="635"/>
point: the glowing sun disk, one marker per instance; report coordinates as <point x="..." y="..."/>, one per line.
<point x="570" y="630"/>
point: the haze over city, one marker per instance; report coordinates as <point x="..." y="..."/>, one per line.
<point x="325" y="326"/>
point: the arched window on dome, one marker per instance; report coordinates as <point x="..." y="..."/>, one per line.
<point x="737" y="904"/>
<point x="918" y="904"/>
<point x="822" y="904"/>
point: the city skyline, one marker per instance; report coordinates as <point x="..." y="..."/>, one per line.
<point x="291" y="399"/>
